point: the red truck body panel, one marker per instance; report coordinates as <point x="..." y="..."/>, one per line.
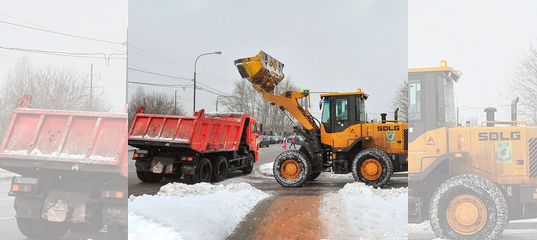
<point x="69" y="137"/>
<point x="201" y="133"/>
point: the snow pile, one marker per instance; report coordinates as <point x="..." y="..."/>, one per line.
<point x="265" y="169"/>
<point x="359" y="211"/>
<point x="200" y="211"/>
<point x="7" y="174"/>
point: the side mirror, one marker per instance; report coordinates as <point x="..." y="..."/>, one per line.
<point x="321" y="104"/>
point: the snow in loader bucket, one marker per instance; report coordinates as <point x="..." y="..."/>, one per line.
<point x="40" y="136"/>
<point x="263" y="71"/>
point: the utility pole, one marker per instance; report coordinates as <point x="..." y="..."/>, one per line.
<point x="174" y="101"/>
<point x="195" y="85"/>
<point x="91" y="88"/>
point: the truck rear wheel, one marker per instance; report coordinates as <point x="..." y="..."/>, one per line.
<point x="250" y="166"/>
<point x="468" y="207"/>
<point x="203" y="171"/>
<point x="149" y="176"/>
<point x="220" y="169"/>
<point x="292" y="168"/>
<point x="373" y="167"/>
<point x="38" y="228"/>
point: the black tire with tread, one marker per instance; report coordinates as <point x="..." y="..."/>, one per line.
<point x="304" y="164"/>
<point x="250" y="166"/>
<point x="368" y="153"/>
<point x="481" y="187"/>
<point x="149" y="176"/>
<point x="220" y="164"/>
<point x="204" y="162"/>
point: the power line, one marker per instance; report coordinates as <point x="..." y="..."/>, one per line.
<point x="61" y="33"/>
<point x="158" y="74"/>
<point x="161" y="85"/>
<point x="106" y="56"/>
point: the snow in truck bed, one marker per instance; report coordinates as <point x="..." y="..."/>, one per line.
<point x="200" y="211"/>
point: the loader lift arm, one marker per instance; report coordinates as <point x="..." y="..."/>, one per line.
<point x="265" y="72"/>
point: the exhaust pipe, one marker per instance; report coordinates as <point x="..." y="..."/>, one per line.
<point x="396" y="114"/>
<point x="514" y="110"/>
<point x="490" y="116"/>
<point x="383" y="117"/>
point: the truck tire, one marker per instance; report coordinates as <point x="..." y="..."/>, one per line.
<point x="483" y="206"/>
<point x="250" y="164"/>
<point x="204" y="171"/>
<point x="41" y="229"/>
<point x="314" y="176"/>
<point x="373" y="167"/>
<point x="220" y="169"/>
<point x="149" y="176"/>
<point x="292" y="168"/>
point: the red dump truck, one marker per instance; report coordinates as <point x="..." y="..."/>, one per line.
<point x="73" y="170"/>
<point x="199" y="148"/>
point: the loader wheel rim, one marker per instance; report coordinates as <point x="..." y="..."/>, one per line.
<point x="291" y="169"/>
<point x="467" y="214"/>
<point x="371" y="169"/>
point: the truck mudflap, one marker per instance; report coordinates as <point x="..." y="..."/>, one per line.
<point x="60" y="206"/>
<point x="528" y="194"/>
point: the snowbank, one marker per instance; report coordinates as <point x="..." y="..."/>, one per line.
<point x="361" y="212"/>
<point x="200" y="211"/>
<point x="265" y="169"/>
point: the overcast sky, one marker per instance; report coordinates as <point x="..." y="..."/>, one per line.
<point x="101" y="19"/>
<point x="483" y="39"/>
<point x="325" y="45"/>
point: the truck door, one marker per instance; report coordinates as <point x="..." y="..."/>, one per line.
<point x="341" y="113"/>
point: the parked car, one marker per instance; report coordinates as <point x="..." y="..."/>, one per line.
<point x="264" y="141"/>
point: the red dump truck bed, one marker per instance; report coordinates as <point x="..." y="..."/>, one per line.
<point x="65" y="140"/>
<point x="202" y="133"/>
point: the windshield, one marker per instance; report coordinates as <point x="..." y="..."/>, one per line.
<point x="414" y="103"/>
<point x="325" y="119"/>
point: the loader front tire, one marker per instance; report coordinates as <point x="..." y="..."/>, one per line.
<point x="292" y="168"/>
<point x="468" y="207"/>
<point x="373" y="167"/>
<point x="149" y="176"/>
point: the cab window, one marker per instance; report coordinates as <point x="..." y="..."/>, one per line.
<point x="325" y="119"/>
<point x="414" y="103"/>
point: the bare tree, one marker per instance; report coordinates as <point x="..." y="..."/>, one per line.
<point x="50" y="88"/>
<point x="401" y="101"/>
<point x="154" y="103"/>
<point x="247" y="100"/>
<point x="524" y="85"/>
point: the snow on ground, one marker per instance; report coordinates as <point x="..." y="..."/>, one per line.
<point x="358" y="211"/>
<point x="265" y="169"/>
<point x="200" y="211"/>
<point x="6" y="174"/>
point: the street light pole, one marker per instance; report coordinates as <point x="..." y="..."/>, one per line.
<point x="195" y="85"/>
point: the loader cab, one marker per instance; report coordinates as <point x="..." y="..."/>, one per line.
<point x="341" y="110"/>
<point x="431" y="97"/>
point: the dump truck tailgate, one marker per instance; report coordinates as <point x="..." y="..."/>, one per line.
<point x="200" y="133"/>
<point x="36" y="136"/>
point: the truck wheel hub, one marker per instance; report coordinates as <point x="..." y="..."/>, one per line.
<point x="371" y="169"/>
<point x="467" y="214"/>
<point x="291" y="169"/>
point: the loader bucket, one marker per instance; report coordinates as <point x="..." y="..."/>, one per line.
<point x="263" y="71"/>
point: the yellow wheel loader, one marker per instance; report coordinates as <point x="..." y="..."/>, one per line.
<point x="342" y="142"/>
<point x="469" y="181"/>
